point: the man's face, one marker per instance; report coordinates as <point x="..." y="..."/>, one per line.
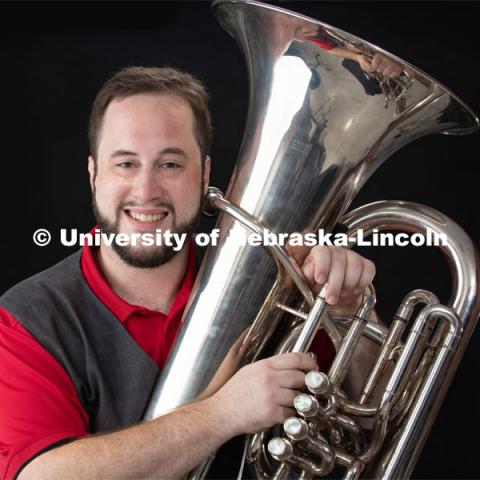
<point x="148" y="174"/>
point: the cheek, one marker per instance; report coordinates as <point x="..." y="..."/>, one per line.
<point x="109" y="193"/>
<point x="186" y="197"/>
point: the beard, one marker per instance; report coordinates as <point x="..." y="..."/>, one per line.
<point x="151" y="256"/>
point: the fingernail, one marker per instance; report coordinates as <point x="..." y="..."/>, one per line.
<point x="357" y="291"/>
<point x="322" y="278"/>
<point x="332" y="299"/>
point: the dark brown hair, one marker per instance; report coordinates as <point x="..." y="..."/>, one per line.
<point x="135" y="80"/>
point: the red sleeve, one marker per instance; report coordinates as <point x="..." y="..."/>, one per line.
<point x="324" y="44"/>
<point x="38" y="402"/>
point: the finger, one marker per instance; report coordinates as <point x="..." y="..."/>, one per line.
<point x="377" y="61"/>
<point x="293" y="361"/>
<point x="353" y="273"/>
<point x="336" y="275"/>
<point x="309" y="270"/>
<point x="299" y="252"/>
<point x="287" y="412"/>
<point x="317" y="265"/>
<point x="366" y="64"/>
<point x="322" y="260"/>
<point x="392" y="71"/>
<point x="367" y="277"/>
<point x="285" y="397"/>
<point x="291" y="379"/>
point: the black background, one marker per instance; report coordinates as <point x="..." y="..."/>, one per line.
<point x="55" y="56"/>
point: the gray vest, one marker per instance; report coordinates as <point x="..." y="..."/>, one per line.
<point x="112" y="375"/>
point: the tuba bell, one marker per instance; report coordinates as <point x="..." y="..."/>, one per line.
<point x="318" y="127"/>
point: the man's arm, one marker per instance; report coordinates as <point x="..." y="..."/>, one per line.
<point x="256" y="397"/>
<point x="167" y="447"/>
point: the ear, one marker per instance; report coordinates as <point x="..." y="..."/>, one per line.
<point x="91" y="171"/>
<point x="206" y="173"/>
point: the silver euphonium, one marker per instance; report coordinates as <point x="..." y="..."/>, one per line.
<point x="318" y="126"/>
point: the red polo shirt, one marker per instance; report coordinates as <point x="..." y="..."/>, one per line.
<point x="38" y="402"/>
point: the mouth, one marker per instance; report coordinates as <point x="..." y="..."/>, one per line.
<point x="146" y="218"/>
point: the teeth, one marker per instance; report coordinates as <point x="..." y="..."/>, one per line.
<point x="146" y="218"/>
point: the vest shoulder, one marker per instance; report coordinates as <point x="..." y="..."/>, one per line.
<point x="62" y="278"/>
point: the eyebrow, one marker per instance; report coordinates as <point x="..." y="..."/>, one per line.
<point x="165" y="151"/>
<point x="122" y="153"/>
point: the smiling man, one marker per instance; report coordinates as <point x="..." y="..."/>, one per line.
<point x="82" y="355"/>
<point x="131" y="195"/>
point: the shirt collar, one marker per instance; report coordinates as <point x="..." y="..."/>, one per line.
<point x="120" y="307"/>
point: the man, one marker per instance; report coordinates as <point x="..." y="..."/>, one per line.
<point x="81" y="355"/>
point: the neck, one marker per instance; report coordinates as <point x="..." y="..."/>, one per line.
<point x="152" y="288"/>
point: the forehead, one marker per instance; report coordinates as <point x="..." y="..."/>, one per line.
<point x="144" y="115"/>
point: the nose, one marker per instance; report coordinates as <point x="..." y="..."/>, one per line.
<point x="147" y="186"/>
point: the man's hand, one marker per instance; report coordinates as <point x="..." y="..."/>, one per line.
<point x="346" y="272"/>
<point x="365" y="63"/>
<point x="381" y="64"/>
<point x="261" y="394"/>
<point x="386" y="66"/>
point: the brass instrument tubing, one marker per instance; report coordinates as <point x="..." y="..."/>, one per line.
<point x="352" y="408"/>
<point x="282" y="471"/>
<point x="281" y="256"/>
<point x="373" y="331"/>
<point x="339" y="367"/>
<point x="413" y="348"/>
<point x="416" y="385"/>
<point x="397" y="378"/>
<point x="292" y="311"/>
<point x="324" y="451"/>
<point x="310" y="466"/>
<point x="305" y="476"/>
<point x="402" y="317"/>
<point x="419" y="377"/>
<point x="201" y="472"/>
<point x="289" y="340"/>
<point x="394" y="335"/>
<point x="425" y="400"/>
<point x="312" y="324"/>
<point x="254" y="444"/>
<point x="343" y="459"/>
<point x="353" y="473"/>
<point x="348" y="423"/>
<point x="217" y="199"/>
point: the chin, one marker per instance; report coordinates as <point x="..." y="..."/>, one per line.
<point x="145" y="257"/>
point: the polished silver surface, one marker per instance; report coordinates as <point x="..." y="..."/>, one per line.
<point x="314" y="135"/>
<point x="341" y="363"/>
<point x="318" y="127"/>
<point x="295" y="428"/>
<point x="317" y="382"/>
<point x="394" y="338"/>
<point x="280" y="448"/>
<point x="423" y="366"/>
<point x="306" y="405"/>
<point x="313" y="323"/>
<point x="402" y="449"/>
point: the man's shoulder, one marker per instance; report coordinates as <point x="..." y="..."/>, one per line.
<point x="60" y="278"/>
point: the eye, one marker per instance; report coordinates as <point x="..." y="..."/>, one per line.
<point x="171" y="165"/>
<point x="125" y="164"/>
